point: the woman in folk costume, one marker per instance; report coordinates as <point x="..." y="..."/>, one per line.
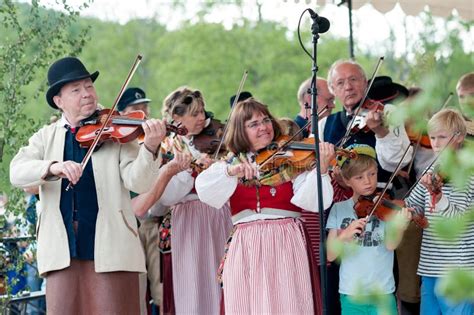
<point x="199" y="231"/>
<point x="267" y="269"/>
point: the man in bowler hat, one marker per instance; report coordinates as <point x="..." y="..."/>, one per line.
<point x="88" y="245"/>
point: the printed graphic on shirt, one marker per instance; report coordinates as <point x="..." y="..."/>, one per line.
<point x="372" y="235"/>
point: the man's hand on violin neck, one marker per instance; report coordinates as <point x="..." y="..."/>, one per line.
<point x="155" y="132"/>
<point x="375" y="121"/>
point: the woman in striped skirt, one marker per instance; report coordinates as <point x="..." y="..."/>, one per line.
<point x="199" y="231"/>
<point x="266" y="269"/>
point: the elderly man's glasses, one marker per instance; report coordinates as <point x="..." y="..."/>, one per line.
<point x="339" y="84"/>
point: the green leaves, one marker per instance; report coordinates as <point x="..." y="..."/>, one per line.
<point x="454" y="228"/>
<point x="457" y="286"/>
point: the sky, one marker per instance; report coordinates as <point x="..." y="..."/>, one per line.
<point x="371" y="28"/>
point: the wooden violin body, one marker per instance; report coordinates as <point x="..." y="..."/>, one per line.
<point x="386" y="209"/>
<point x="120" y="128"/>
<point x="418" y="137"/>
<point x="298" y="154"/>
<point x="210" y="137"/>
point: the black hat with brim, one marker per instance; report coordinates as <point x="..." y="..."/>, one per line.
<point x="242" y="97"/>
<point x="63" y="71"/>
<point x="132" y="96"/>
<point x="385" y="90"/>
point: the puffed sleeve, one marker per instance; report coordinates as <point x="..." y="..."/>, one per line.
<point x="214" y="186"/>
<point x="390" y="149"/>
<point x="305" y="189"/>
<point x="178" y="187"/>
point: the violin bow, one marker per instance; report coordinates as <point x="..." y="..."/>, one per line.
<point x="349" y="127"/>
<point x="379" y="200"/>
<point x="418" y="141"/>
<point x="236" y="100"/>
<point x="91" y="149"/>
<point x="431" y="164"/>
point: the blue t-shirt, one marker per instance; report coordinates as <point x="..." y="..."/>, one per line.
<point x="368" y="269"/>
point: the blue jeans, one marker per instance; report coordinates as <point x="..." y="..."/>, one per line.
<point x="432" y="303"/>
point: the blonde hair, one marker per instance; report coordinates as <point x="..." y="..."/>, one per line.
<point x="236" y="139"/>
<point x="182" y="101"/>
<point x="447" y="119"/>
<point x="466" y="81"/>
<point x="354" y="167"/>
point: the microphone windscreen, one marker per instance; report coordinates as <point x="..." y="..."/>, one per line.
<point x="323" y="24"/>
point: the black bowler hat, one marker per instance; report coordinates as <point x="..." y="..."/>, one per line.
<point x="132" y="96"/>
<point x="384" y="90"/>
<point x="63" y="71"/>
<point x="242" y="97"/>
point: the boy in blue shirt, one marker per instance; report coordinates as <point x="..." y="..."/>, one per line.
<point x="368" y="269"/>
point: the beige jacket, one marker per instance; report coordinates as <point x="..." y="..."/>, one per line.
<point x="117" y="170"/>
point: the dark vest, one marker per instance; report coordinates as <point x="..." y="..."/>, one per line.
<point x="336" y="128"/>
<point x="300" y="121"/>
<point x="79" y="205"/>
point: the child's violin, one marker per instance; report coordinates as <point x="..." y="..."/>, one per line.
<point x="418" y="137"/>
<point x="120" y="128"/>
<point x="386" y="209"/>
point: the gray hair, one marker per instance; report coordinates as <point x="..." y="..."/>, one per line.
<point x="337" y="64"/>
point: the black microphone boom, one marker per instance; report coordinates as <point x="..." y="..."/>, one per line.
<point x="322" y="22"/>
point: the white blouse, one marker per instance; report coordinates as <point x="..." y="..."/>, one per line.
<point x="214" y="187"/>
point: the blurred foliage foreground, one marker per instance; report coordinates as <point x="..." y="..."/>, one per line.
<point x="211" y="58"/>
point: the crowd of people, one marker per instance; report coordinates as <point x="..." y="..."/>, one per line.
<point x="159" y="225"/>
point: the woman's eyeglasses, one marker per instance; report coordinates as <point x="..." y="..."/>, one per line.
<point x="256" y="124"/>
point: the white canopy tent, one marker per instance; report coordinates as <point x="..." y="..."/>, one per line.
<point x="442" y="8"/>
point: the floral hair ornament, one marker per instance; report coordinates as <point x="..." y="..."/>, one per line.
<point x="360" y="149"/>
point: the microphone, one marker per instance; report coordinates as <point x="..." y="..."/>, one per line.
<point x="323" y="23"/>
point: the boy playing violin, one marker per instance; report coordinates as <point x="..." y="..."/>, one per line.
<point x="369" y="268"/>
<point x="443" y="201"/>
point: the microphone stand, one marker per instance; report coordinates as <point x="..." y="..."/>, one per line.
<point x="319" y="195"/>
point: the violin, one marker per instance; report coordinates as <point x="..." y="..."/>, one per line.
<point x="360" y="118"/>
<point x="120" y="128"/>
<point x="386" y="209"/>
<point x="418" y="137"/>
<point x="208" y="140"/>
<point x="298" y="154"/>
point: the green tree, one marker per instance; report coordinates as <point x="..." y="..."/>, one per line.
<point x="32" y="38"/>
